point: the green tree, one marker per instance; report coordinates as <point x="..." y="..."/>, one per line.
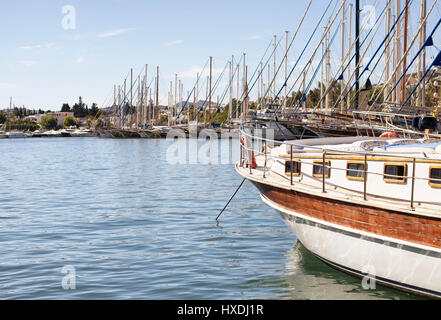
<point x="69" y="122"/>
<point x="66" y="108"/>
<point x="93" y="110"/>
<point x="80" y="109"/>
<point x="49" y="123"/>
<point x="3" y="117"/>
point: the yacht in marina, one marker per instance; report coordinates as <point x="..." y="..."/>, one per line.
<point x="367" y="206"/>
<point x="16" y="135"/>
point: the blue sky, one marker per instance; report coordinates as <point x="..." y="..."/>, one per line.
<point x="43" y="65"/>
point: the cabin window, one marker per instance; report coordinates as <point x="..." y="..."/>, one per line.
<point x="295" y="168"/>
<point x="395" y="172"/>
<point x="317" y="169"/>
<point x="435" y="177"/>
<point x="355" y="171"/>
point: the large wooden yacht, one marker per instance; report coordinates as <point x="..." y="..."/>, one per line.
<point x="365" y="205"/>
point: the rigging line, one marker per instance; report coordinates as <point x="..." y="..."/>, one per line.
<point x="124" y="103"/>
<point x="239" y="104"/>
<point x="379" y="47"/>
<point x="194" y="88"/>
<point x="304" y="95"/>
<point x="224" y="94"/>
<point x="426" y="43"/>
<point x="363" y="56"/>
<point x="348" y="53"/>
<point x="436" y="62"/>
<point x="215" y="86"/>
<point x="287" y="50"/>
<point x="350" y="61"/>
<point x="303" y="51"/>
<point x="213" y="90"/>
<point x="386" y="84"/>
<point x="310" y="61"/>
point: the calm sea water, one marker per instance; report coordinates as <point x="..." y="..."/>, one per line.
<point x="129" y="225"/>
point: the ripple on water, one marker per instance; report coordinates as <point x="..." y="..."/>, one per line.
<point x="135" y="227"/>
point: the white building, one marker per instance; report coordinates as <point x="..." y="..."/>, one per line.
<point x="59" y="116"/>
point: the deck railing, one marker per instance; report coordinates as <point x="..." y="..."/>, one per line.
<point x="259" y="146"/>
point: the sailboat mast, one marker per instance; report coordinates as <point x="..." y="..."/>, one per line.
<point x="230" y="106"/>
<point x="176" y="91"/>
<point x="286" y="72"/>
<point x="357" y="53"/>
<point x="422" y="57"/>
<point x="131" y="97"/>
<point x="157" y="95"/>
<point x="398" y="51"/>
<point x="351" y="8"/>
<point x="343" y="31"/>
<point x="274" y="67"/>
<point x="210" y="93"/>
<point x="387" y="29"/>
<point x="322" y="82"/>
<point x="403" y="81"/>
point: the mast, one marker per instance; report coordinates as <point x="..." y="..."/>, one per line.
<point x="196" y="100"/>
<point x="322" y="79"/>
<point x="157" y="95"/>
<point x="119" y="112"/>
<point x="114" y="103"/>
<point x="343" y="30"/>
<point x="230" y="107"/>
<point x="238" y="91"/>
<point x="138" y="103"/>
<point x="144" y="109"/>
<point x="262" y="87"/>
<point x="387" y="29"/>
<point x="209" y="97"/>
<point x="422" y="57"/>
<point x="286" y="72"/>
<point x="245" y="93"/>
<point x="357" y="53"/>
<point x="124" y="102"/>
<point x="176" y="90"/>
<point x="351" y="8"/>
<point x="275" y="67"/>
<point x="245" y="106"/>
<point x="398" y="51"/>
<point x="304" y="90"/>
<point x="131" y="97"/>
<point x="328" y="70"/>
<point x="403" y="81"/>
<point x="170" y="102"/>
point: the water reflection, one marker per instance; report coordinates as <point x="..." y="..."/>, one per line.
<point x="308" y="277"/>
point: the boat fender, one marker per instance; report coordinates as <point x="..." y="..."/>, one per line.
<point x="247" y="145"/>
<point x="389" y="135"/>
<point x="416" y="122"/>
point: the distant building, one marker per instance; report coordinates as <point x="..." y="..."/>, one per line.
<point x="59" y="116"/>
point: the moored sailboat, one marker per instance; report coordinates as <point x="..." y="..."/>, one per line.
<point x="365" y="205"/>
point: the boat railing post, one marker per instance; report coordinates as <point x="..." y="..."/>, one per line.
<point x="241" y="154"/>
<point x="365" y="177"/>
<point x="291" y="166"/>
<point x="249" y="156"/>
<point x="324" y="172"/>
<point x="264" y="166"/>
<point x="412" y="195"/>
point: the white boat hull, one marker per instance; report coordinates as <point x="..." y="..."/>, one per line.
<point x="397" y="264"/>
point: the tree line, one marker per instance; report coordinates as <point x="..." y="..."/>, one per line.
<point x="82" y="110"/>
